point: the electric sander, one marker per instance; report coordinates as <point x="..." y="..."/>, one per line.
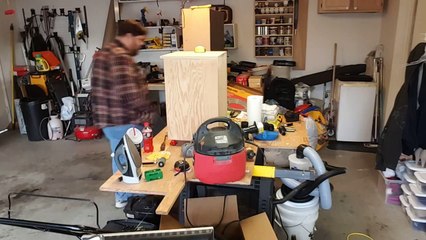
<point x="219" y="152"/>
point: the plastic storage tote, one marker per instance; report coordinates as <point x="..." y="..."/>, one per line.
<point x="417" y="223"/>
<point x="421" y="181"/>
<point x="418" y="208"/>
<point x="418" y="194"/>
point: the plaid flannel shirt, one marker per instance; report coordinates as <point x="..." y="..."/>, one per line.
<point x="119" y="91"/>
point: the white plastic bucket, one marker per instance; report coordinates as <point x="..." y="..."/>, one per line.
<point x="55" y="128"/>
<point x="299" y="163"/>
<point x="298" y="218"/>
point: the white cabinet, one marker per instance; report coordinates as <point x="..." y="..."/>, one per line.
<point x="355" y="103"/>
<point x="195" y="90"/>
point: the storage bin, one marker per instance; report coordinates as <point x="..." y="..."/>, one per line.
<point x="417" y="207"/>
<point x="407" y="178"/>
<point x="404" y="203"/>
<point x="391" y="189"/>
<point x="421" y="181"/>
<point x="411" y="168"/>
<point x="417" y="223"/>
<point x="417" y="193"/>
<point x="406" y="190"/>
<point x="410" y="173"/>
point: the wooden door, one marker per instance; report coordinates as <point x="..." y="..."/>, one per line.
<point x="368" y="5"/>
<point x="333" y="5"/>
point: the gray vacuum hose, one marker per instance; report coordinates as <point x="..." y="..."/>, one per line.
<point x="323" y="190"/>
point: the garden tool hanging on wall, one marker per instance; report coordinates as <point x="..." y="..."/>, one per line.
<point x="79" y="31"/>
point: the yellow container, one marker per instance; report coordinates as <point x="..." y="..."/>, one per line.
<point x="40" y="81"/>
<point x="41" y="64"/>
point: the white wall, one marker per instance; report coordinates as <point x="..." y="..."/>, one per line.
<point x="355" y="34"/>
<point x="97" y="13"/>
<point x="5" y="69"/>
<point x="396" y="36"/>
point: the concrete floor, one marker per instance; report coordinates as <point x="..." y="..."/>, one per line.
<point x="77" y="169"/>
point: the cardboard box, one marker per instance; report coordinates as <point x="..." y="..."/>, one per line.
<point x="208" y="212"/>
<point x="255" y="81"/>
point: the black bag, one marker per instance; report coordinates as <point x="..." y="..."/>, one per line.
<point x="281" y="90"/>
<point x="143" y="208"/>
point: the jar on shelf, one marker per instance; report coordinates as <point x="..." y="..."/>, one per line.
<point x="265" y="40"/>
<point x="259" y="40"/>
<point x="288" y="30"/>
<point x="281" y="30"/>
<point x="287" y="51"/>
<point x="287" y="41"/>
<point x="273" y="30"/>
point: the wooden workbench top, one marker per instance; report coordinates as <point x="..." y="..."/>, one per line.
<point x="291" y="140"/>
<point x="170" y="186"/>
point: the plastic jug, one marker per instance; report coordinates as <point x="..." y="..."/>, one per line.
<point x="55" y="129"/>
<point x="41" y="64"/>
<point x="147" y="138"/>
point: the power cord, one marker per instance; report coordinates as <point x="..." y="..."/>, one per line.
<point x="358" y="234"/>
<point x="186" y="199"/>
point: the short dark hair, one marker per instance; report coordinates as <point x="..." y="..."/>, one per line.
<point x="130" y="26"/>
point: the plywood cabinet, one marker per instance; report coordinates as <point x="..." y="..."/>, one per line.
<point x="195" y="90"/>
<point x="203" y="27"/>
<point x="349" y="6"/>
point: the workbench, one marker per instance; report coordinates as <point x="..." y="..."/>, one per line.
<point x="172" y="186"/>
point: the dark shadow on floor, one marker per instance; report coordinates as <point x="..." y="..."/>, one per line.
<point x="351" y="146"/>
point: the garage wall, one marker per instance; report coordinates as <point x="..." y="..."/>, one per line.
<point x="5" y="69"/>
<point x="396" y="36"/>
<point x="356" y="34"/>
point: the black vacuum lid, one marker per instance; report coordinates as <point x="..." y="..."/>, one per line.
<point x="225" y="139"/>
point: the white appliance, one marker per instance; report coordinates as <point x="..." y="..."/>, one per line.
<point x="354" y="102"/>
<point x="128" y="160"/>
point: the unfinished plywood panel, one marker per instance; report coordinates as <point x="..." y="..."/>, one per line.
<point x="202" y="27"/>
<point x="195" y="90"/>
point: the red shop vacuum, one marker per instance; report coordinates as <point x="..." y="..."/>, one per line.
<point x="219" y="152"/>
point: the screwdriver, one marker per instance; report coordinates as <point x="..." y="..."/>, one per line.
<point x="163" y="145"/>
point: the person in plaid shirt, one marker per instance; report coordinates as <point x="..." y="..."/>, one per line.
<point x="119" y="91"/>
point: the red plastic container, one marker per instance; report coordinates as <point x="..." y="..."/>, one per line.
<point x="222" y="169"/>
<point x="242" y="79"/>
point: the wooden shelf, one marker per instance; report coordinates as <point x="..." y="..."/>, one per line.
<point x="159" y="49"/>
<point x="267" y="26"/>
<point x="273" y="14"/>
<point x="275" y="35"/>
<point x="274" y="56"/>
<point x="258" y="46"/>
<point x="275" y="24"/>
